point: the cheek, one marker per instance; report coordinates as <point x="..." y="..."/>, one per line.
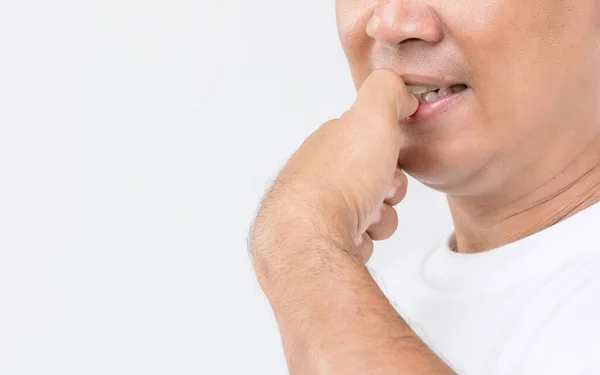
<point x="352" y="17"/>
<point x="528" y="60"/>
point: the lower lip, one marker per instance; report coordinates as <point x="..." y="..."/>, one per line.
<point x="429" y="111"/>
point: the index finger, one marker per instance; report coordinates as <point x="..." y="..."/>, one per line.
<point x="384" y="96"/>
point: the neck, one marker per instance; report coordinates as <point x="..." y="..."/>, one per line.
<point x="563" y="189"/>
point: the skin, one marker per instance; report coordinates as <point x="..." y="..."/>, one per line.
<point x="315" y="229"/>
<point x="520" y="152"/>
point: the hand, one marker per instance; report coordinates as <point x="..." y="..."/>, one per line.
<point x="345" y="179"/>
<point x="333" y="198"/>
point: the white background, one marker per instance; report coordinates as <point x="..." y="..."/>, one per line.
<point x="136" y="139"/>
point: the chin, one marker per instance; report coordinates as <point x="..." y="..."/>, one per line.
<point x="451" y="174"/>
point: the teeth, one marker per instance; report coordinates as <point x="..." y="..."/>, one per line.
<point x="418" y="89"/>
<point x="426" y="94"/>
<point x="430" y="97"/>
<point x="445" y="92"/>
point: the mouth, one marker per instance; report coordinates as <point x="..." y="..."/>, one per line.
<point x="434" y="101"/>
<point x="431" y="94"/>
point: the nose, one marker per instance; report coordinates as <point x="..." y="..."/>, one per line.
<point x="397" y="21"/>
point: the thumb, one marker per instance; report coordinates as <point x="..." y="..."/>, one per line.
<point x="384" y="99"/>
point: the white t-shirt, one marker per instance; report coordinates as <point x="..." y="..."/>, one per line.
<point x="531" y="307"/>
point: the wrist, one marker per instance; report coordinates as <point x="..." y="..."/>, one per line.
<point x="286" y="241"/>
<point x="290" y="244"/>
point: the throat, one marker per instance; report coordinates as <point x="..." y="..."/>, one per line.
<point x="481" y="226"/>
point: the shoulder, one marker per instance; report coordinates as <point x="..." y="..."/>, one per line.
<point x="559" y="333"/>
<point x="570" y="340"/>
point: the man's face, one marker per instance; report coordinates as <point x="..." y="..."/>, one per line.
<point x="532" y="71"/>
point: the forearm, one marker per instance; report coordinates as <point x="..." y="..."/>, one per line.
<point x="333" y="317"/>
<point x="339" y="187"/>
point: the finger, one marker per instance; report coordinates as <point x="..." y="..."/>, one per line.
<point x="384" y="98"/>
<point x="399" y="187"/>
<point x="386" y="225"/>
<point x="365" y="248"/>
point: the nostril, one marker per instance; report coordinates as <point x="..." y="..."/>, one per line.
<point x="406" y="41"/>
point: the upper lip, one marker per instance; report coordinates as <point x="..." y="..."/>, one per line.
<point x="420" y="80"/>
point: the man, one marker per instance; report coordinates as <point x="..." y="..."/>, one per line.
<point x="495" y="103"/>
